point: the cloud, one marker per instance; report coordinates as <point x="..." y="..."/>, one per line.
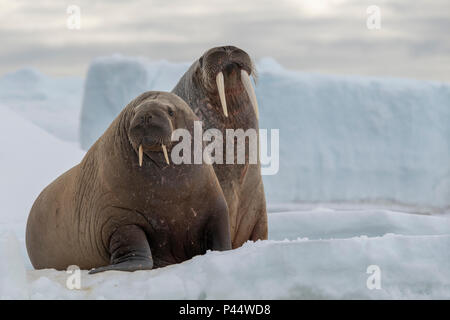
<point x="330" y="36"/>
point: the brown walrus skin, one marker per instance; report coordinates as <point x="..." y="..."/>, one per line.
<point x="110" y="213"/>
<point x="241" y="183"/>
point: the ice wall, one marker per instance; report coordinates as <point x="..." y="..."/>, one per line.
<point x="30" y="159"/>
<point x="347" y="139"/>
<point x="112" y="83"/>
<point x="51" y="103"/>
<point x="342" y="138"/>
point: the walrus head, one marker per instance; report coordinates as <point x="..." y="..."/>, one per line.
<point x="226" y="71"/>
<point x="152" y="123"/>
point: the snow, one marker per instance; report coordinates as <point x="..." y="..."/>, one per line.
<point x="30" y="158"/>
<point x="316" y="224"/>
<point x="343" y="139"/>
<point x="357" y="139"/>
<point x="330" y="264"/>
<point x="113" y="82"/>
<point x="13" y="279"/>
<point x="51" y="103"/>
<point x="314" y="250"/>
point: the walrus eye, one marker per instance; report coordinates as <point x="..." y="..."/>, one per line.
<point x="171" y="112"/>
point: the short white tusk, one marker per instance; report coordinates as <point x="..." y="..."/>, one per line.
<point x="141" y="155"/>
<point x="250" y="91"/>
<point x="165" y="153"/>
<point x="221" y="88"/>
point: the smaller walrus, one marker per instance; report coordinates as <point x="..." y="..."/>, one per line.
<point x="125" y="206"/>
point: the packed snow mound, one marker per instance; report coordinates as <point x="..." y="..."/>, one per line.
<point x="13" y="278"/>
<point x="331" y="262"/>
<point x="51" y="103"/>
<point x="30" y="159"/>
<point x="112" y="83"/>
<point x="342" y="138"/>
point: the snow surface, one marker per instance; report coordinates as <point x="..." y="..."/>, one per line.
<point x="30" y="158"/>
<point x="342" y="139"/>
<point x="51" y="103"/>
<point x="330" y="264"/>
<point x="315" y="252"/>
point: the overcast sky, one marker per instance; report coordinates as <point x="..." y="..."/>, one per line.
<point x="328" y="36"/>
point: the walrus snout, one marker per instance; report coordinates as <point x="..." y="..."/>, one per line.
<point x="227" y="68"/>
<point x="220" y="58"/>
<point x="151" y="130"/>
<point x="232" y="71"/>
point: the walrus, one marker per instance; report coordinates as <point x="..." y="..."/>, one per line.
<point x="218" y="89"/>
<point x="126" y="206"/>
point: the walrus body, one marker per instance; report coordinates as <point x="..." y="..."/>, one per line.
<point x="111" y="213"/>
<point x="235" y="108"/>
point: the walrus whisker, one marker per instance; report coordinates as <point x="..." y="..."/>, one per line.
<point x="250" y="91"/>
<point x="165" y="153"/>
<point x="221" y="88"/>
<point x="141" y="155"/>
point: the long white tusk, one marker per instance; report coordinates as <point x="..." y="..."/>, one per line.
<point x="165" y="153"/>
<point x="141" y="155"/>
<point x="250" y="91"/>
<point x="221" y="88"/>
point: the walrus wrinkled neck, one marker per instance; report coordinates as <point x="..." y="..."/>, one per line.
<point x="119" y="149"/>
<point x="122" y="144"/>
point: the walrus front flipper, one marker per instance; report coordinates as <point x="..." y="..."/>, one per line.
<point x="129" y="251"/>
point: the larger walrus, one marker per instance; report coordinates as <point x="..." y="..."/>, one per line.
<point x="126" y="206"/>
<point x="218" y="89"/>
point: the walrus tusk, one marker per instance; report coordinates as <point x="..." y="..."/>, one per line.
<point x="141" y="155"/>
<point x="221" y="88"/>
<point x="250" y="91"/>
<point x="165" y="153"/>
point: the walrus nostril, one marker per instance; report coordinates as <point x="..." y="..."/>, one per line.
<point x="231" y="68"/>
<point x="149" y="140"/>
<point x="147" y="119"/>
